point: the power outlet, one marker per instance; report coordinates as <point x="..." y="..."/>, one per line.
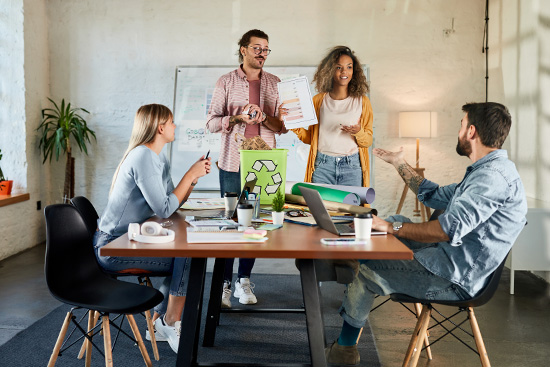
<point x="38" y="205"/>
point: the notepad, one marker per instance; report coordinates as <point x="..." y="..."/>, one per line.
<point x="221" y="237"/>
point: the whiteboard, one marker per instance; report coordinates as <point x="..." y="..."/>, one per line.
<point x="193" y="90"/>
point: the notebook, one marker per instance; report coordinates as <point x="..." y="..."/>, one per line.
<point x="322" y="217"/>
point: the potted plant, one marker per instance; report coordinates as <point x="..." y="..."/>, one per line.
<point x="277" y="205"/>
<point x="5" y="184"/>
<point x="57" y="127"/>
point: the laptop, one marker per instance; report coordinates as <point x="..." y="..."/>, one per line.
<point x="322" y="217"/>
<point x="242" y="199"/>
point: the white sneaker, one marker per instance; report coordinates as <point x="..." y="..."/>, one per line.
<point x="226" y="295"/>
<point x="244" y="291"/>
<point x="158" y="337"/>
<point x="170" y="333"/>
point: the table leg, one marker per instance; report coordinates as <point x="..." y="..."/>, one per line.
<point x="191" y="318"/>
<point x="214" y="304"/>
<point x="314" y="319"/>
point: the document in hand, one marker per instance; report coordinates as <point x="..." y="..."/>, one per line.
<point x="295" y="96"/>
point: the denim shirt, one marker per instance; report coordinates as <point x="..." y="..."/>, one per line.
<point x="484" y="215"/>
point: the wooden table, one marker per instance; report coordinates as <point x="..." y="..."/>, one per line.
<point x="293" y="241"/>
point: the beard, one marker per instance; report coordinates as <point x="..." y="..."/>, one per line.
<point x="463" y="148"/>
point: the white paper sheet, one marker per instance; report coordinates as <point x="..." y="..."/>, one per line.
<point x="295" y="96"/>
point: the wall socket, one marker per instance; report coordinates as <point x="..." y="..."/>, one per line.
<point x="38" y="205"/>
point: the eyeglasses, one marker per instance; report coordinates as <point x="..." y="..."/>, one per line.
<point x="259" y="50"/>
<point x="297" y="213"/>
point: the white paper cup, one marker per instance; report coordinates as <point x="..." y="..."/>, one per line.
<point x="363" y="226"/>
<point x="230" y="199"/>
<point x="244" y="214"/>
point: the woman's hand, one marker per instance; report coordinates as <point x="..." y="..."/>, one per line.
<point x="200" y="168"/>
<point x="351" y="129"/>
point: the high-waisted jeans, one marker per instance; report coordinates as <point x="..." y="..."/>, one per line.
<point x="174" y="285"/>
<point x="344" y="170"/>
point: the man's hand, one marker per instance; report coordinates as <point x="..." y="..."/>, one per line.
<point x="389" y="157"/>
<point x="381" y="225"/>
<point x="407" y="173"/>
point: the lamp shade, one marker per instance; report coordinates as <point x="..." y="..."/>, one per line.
<point x="417" y="124"/>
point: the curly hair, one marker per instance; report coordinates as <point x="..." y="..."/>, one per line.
<point x="324" y="76"/>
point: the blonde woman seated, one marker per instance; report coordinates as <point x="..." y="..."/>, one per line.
<point x="142" y="187"/>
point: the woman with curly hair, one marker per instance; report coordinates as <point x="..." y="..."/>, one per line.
<point x="338" y="153"/>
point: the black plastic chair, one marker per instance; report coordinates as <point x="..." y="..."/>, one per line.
<point x="74" y="277"/>
<point x="90" y="216"/>
<point x="413" y="352"/>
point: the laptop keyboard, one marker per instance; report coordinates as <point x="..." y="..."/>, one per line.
<point x="344" y="228"/>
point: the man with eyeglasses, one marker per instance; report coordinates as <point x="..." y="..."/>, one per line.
<point x="244" y="103"/>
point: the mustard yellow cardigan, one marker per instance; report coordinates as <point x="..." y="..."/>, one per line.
<point x="363" y="138"/>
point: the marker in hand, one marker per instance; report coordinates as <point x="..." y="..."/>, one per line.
<point x="207" y="154"/>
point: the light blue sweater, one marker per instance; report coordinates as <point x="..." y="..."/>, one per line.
<point x="142" y="189"/>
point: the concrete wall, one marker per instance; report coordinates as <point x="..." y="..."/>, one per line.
<point x="111" y="57"/>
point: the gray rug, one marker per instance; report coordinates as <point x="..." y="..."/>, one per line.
<point x="246" y="338"/>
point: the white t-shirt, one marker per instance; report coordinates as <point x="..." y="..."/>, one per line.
<point x="333" y="114"/>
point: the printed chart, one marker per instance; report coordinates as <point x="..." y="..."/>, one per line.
<point x="295" y="96"/>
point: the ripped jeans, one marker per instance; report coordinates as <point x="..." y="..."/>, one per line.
<point x="384" y="277"/>
<point x="174" y="285"/>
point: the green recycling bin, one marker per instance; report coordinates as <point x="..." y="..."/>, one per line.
<point x="268" y="167"/>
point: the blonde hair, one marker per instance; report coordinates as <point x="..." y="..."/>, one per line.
<point x="324" y="76"/>
<point x="146" y="123"/>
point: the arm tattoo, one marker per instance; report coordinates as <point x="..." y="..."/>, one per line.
<point x="233" y="120"/>
<point x="411" y="178"/>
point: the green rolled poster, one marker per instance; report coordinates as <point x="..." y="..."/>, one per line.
<point x="329" y="194"/>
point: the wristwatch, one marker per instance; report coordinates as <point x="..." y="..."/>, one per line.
<point x="396" y="227"/>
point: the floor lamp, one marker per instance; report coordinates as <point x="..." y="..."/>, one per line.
<point x="417" y="125"/>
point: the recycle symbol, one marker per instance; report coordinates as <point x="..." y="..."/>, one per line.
<point x="276" y="177"/>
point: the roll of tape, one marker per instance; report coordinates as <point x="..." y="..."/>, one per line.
<point x="151" y="229"/>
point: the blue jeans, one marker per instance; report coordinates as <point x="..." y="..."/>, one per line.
<point x="338" y="170"/>
<point x="231" y="182"/>
<point x="172" y="285"/>
<point x="385" y="277"/>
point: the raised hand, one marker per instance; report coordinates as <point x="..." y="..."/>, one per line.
<point x="389" y="157"/>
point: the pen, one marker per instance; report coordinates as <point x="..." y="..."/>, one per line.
<point x="207" y="154"/>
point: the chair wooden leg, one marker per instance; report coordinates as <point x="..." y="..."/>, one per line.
<point x="83" y="348"/>
<point x="107" y="342"/>
<point x="150" y="326"/>
<point x="141" y="345"/>
<point x="479" y="340"/>
<point x="151" y="329"/>
<point x="419" y="334"/>
<point x="60" y="338"/>
<point x="418" y="308"/>
<point x="93" y="316"/>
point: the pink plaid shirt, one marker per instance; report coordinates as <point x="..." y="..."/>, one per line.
<point x="229" y="98"/>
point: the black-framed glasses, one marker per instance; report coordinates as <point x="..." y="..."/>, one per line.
<point x="297" y="213"/>
<point x="259" y="50"/>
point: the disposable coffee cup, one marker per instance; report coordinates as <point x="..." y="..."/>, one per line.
<point x="244" y="214"/>
<point x="363" y="225"/>
<point x="230" y="199"/>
